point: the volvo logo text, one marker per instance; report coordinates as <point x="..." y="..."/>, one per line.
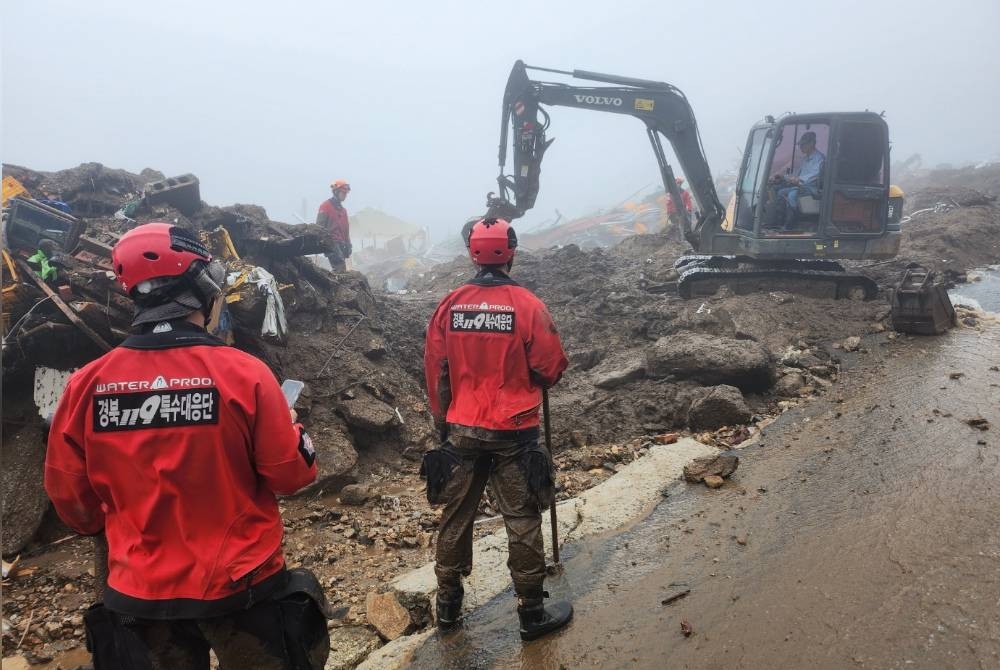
<point x="599" y="100"/>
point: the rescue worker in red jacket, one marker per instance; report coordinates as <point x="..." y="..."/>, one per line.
<point x="673" y="215"/>
<point x="491" y="348"/>
<point x="332" y="217"/>
<point x="174" y="445"/>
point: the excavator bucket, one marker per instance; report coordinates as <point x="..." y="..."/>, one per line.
<point x="921" y="305"/>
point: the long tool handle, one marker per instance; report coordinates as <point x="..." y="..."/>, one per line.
<point x="100" y="566"/>
<point x="548" y="445"/>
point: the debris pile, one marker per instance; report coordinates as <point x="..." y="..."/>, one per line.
<point x="645" y="365"/>
<point x="327" y="330"/>
<point x="644" y="361"/>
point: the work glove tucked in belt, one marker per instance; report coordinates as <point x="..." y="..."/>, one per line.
<point x="437" y="468"/>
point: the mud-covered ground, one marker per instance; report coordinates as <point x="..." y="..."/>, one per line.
<point x="859" y="531"/>
<point x="366" y="409"/>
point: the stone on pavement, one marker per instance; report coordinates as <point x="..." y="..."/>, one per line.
<point x="713" y="481"/>
<point x="389" y="618"/>
<point x="349" y="645"/>
<point x="394" y="614"/>
<point x="397" y="655"/>
<point x="722" y="465"/>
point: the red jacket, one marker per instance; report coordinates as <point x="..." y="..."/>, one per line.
<point x="175" y="445"/>
<point x="685" y="196"/>
<point x="333" y="218"/>
<point x="493" y="346"/>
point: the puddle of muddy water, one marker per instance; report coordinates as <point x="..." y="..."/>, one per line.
<point x="983" y="294"/>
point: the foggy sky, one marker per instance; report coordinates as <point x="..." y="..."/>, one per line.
<point x="268" y="102"/>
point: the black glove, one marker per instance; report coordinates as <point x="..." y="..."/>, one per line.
<point x="346" y="249"/>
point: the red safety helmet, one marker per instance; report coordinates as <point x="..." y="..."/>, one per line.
<point x="492" y="242"/>
<point x="340" y="184"/>
<point x="155" y="251"/>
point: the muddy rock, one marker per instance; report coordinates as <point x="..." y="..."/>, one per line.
<point x="396" y="614"/>
<point x="355" y="494"/>
<point x="722" y="465"/>
<point x="719" y="406"/>
<point x="852" y="343"/>
<point x="16" y="663"/>
<point x="375" y="349"/>
<point x="713" y="481"/>
<point x="789" y="384"/>
<point x="744" y="364"/>
<point x="389" y="618"/>
<point x="799" y="358"/>
<point x="24" y="498"/>
<point x="585" y="359"/>
<point x="336" y="459"/>
<point x="368" y="413"/>
<point x="611" y="377"/>
<point x="701" y="318"/>
<point x="349" y="645"/>
<point x="824" y="371"/>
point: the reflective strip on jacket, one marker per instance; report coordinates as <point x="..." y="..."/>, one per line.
<point x="492" y="346"/>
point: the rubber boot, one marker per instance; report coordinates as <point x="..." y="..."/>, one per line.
<point x="538" y="620"/>
<point x="449" y="613"/>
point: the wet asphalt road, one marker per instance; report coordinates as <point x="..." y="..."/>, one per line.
<point x="862" y="532"/>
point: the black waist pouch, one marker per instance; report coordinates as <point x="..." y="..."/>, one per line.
<point x="437" y="468"/>
<point x="304" y="611"/>
<point x="539" y="473"/>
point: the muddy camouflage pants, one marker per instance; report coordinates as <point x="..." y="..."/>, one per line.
<point x="502" y="465"/>
<point x="252" y="639"/>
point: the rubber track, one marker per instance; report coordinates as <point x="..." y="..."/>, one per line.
<point x="844" y="282"/>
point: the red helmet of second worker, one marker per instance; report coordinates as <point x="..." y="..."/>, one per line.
<point x="492" y="242"/>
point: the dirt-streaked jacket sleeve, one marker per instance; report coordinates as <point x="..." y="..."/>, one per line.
<point x="66" y="480"/>
<point x="436" y="362"/>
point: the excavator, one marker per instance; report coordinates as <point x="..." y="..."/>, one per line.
<point x="852" y="213"/>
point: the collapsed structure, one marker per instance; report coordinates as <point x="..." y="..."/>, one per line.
<point x="305" y="323"/>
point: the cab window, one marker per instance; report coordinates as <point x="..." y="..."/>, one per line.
<point x="861" y="154"/>
<point x="787" y="157"/>
<point x="754" y="174"/>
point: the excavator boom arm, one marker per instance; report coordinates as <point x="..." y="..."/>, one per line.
<point x="662" y="107"/>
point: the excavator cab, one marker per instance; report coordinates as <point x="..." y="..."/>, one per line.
<point x="840" y="208"/>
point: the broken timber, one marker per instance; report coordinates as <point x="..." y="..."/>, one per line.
<point x="63" y="307"/>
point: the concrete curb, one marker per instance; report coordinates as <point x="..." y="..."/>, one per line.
<point x="624" y="497"/>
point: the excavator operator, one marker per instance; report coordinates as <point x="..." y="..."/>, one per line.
<point x="784" y="208"/>
<point x="491" y="348"/>
<point x="174" y="445"/>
